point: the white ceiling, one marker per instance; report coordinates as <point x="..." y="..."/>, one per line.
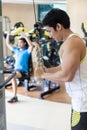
<point x="30" y="1"/>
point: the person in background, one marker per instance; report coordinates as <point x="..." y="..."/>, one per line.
<point x="22" y="53"/>
<point x="73" y="68"/>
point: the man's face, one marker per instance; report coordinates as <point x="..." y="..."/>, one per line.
<point x="54" y="33"/>
<point x="21" y="44"/>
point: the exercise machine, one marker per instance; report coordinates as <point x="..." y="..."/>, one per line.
<point x="84" y="29"/>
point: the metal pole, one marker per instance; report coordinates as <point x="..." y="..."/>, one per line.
<point x="6" y="28"/>
<point x="2" y="89"/>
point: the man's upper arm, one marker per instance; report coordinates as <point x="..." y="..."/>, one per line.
<point x="70" y="60"/>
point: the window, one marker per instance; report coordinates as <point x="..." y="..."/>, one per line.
<point x="44" y="8"/>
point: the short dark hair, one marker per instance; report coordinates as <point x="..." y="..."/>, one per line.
<point x="55" y="16"/>
<point x="24" y="40"/>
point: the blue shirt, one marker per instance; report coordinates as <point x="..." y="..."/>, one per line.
<point x="21" y="59"/>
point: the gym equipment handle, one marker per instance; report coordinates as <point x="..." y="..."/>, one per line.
<point x="8" y="79"/>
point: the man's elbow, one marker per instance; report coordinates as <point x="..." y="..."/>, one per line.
<point x="69" y="78"/>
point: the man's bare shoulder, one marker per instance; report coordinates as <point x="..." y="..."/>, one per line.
<point x="74" y="42"/>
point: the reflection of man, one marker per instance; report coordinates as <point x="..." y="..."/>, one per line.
<point x="73" y="68"/>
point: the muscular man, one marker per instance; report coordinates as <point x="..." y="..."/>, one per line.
<point x="73" y="68"/>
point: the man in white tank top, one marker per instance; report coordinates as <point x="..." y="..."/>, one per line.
<point x="73" y="68"/>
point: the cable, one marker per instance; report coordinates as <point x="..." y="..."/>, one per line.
<point x="34" y="10"/>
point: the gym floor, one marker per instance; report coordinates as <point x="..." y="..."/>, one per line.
<point x="35" y="114"/>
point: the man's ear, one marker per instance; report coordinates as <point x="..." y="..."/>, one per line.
<point x="58" y="27"/>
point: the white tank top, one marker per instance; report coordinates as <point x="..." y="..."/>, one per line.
<point x="77" y="88"/>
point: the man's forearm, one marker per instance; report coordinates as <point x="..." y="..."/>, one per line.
<point x="53" y="69"/>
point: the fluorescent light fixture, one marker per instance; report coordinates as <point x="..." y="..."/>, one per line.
<point x="36" y="1"/>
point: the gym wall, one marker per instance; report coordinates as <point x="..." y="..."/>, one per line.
<point x="18" y="13"/>
<point x="77" y="10"/>
<point x="25" y="13"/>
